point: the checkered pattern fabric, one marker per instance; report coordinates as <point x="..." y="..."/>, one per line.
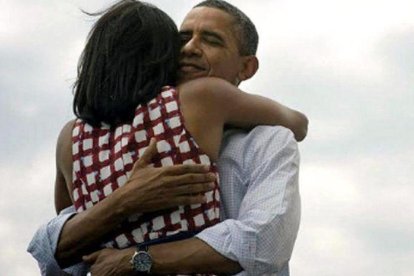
<point x="103" y="159"/>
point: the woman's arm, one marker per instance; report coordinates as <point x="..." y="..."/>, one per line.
<point x="63" y="198"/>
<point x="244" y="110"/>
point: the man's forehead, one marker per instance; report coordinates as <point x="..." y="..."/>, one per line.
<point x="207" y="18"/>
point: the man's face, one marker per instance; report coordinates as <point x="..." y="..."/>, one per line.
<point x="210" y="46"/>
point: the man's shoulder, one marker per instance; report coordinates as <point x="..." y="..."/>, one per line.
<point x="272" y="132"/>
<point x="258" y="142"/>
<point x="260" y="135"/>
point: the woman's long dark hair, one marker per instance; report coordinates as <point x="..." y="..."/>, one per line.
<point x="131" y="52"/>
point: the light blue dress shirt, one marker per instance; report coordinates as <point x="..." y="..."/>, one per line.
<point x="260" y="206"/>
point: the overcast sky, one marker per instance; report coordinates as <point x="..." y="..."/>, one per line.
<point x="347" y="64"/>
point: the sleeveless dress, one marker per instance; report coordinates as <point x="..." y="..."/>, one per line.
<point x="103" y="160"/>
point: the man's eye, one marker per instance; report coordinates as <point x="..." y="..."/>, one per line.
<point x="184" y="38"/>
<point x="213" y="41"/>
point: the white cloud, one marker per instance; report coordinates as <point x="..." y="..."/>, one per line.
<point x="352" y="214"/>
<point x="26" y="197"/>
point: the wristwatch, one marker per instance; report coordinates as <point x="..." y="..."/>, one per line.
<point x="141" y="261"/>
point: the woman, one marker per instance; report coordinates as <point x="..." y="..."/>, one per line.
<point x="121" y="101"/>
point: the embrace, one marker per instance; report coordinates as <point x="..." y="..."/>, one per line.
<point x="169" y="168"/>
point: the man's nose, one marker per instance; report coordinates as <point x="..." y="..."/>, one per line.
<point x="191" y="48"/>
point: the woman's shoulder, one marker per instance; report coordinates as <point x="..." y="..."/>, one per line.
<point x="66" y="133"/>
<point x="205" y="83"/>
<point x="206" y="88"/>
<point x="64" y="148"/>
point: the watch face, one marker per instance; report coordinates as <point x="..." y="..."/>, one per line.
<point x="142" y="262"/>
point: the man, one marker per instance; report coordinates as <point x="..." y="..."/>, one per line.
<point x="259" y="172"/>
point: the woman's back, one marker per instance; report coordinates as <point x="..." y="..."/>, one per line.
<point x="103" y="159"/>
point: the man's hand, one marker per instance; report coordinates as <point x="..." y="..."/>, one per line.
<point x="148" y="189"/>
<point x="151" y="189"/>
<point x="110" y="262"/>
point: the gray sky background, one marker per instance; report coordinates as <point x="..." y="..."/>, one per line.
<point x="347" y="64"/>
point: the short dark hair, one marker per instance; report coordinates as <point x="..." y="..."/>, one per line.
<point x="248" y="36"/>
<point x="131" y="53"/>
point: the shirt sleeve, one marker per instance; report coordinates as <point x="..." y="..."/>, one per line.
<point x="43" y="246"/>
<point x="262" y="236"/>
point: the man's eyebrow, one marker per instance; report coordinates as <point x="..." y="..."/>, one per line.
<point x="185" y="32"/>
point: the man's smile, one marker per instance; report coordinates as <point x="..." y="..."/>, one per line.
<point x="189" y="67"/>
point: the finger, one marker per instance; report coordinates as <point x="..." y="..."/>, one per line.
<point x="193" y="189"/>
<point x="191" y="178"/>
<point x="174" y="201"/>
<point x="91" y="258"/>
<point x="147" y="156"/>
<point x="189" y="168"/>
<point x="189" y="200"/>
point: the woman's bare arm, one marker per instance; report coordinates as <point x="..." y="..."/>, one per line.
<point x="63" y="198"/>
<point x="241" y="109"/>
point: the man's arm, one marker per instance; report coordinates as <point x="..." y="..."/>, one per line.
<point x="148" y="189"/>
<point x="259" y="236"/>
<point x="187" y="256"/>
<point x="67" y="237"/>
<point x="43" y="245"/>
<point x="262" y="232"/>
<point x="191" y="256"/>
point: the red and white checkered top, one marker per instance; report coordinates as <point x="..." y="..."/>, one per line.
<point x="103" y="160"/>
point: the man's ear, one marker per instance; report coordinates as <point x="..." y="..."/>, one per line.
<point x="250" y="65"/>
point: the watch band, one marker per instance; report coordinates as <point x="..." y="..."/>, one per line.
<point x="142" y="248"/>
